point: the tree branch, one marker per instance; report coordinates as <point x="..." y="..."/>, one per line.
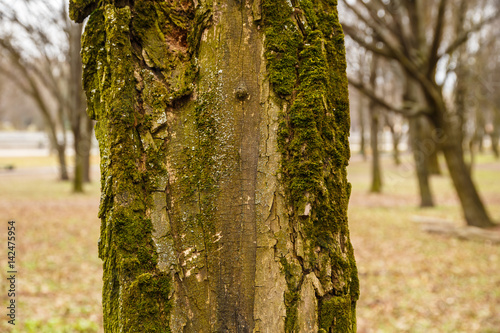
<point x="408" y="109"/>
<point x="351" y="32"/>
<point x="464" y="36"/>
<point x="433" y="57"/>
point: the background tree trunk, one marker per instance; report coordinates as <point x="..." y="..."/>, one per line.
<point x="474" y="211"/>
<point x="76" y="107"/>
<point x="421" y="159"/>
<point x="420" y="150"/>
<point x="396" y="138"/>
<point x="223" y="161"/>
<point x="88" y="132"/>
<point x="361" y="118"/>
<point x="376" y="186"/>
<point x="61" y="158"/>
<point x="495" y="134"/>
<point x="434" y="168"/>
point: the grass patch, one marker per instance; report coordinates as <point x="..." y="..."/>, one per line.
<point x="416" y="282"/>
<point x="59" y="273"/>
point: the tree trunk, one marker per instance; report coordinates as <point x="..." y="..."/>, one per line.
<point x="77" y="104"/>
<point x="495" y="134"/>
<point x="61" y="158"/>
<point x="433" y="160"/>
<point x="396" y="138"/>
<point x="473" y="208"/>
<point x="376" y="186"/>
<point x="474" y="211"/>
<point x="59" y="147"/>
<point x="87" y="147"/>
<point x="421" y="145"/>
<point x="52" y="124"/>
<point x="361" y="118"/>
<point x="451" y="139"/>
<point x="78" y="169"/>
<point x="223" y="136"/>
<point x="421" y="159"/>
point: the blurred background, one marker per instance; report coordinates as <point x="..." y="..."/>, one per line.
<point x="425" y="125"/>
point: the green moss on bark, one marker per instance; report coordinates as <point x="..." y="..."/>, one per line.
<point x="135" y="293"/>
<point x="201" y="170"/>
<point x="293" y="278"/>
<point x="281" y="45"/>
<point x="337" y="312"/>
<point x="80" y="9"/>
<point x="93" y="59"/>
<point x="146" y="27"/>
<point x="306" y="65"/>
<point x="138" y="63"/>
<point x="150" y="294"/>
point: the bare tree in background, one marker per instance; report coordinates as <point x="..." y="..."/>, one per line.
<point x="412" y="33"/>
<point x="42" y="48"/>
<point x="483" y="101"/>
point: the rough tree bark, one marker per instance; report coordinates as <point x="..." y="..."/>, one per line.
<point x="223" y="129"/>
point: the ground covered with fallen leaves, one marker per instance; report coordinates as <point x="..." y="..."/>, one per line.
<point x="411" y="281"/>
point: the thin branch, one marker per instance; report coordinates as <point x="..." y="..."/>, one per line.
<point x="351" y="32"/>
<point x="464" y="36"/>
<point x="433" y="56"/>
<point x="379" y="28"/>
<point x="407" y="110"/>
<point x="375" y="18"/>
<point x="16" y="79"/>
<point x="399" y="31"/>
<point x="392" y="50"/>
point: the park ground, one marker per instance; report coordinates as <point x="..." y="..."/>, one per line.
<point x="411" y="281"/>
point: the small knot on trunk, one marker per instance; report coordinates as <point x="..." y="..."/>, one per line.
<point x="241" y="91"/>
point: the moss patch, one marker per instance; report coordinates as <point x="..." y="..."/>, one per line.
<point x="281" y="45"/>
<point x="337" y="313"/>
<point x="150" y="294"/>
<point x="292" y="295"/>
<point x="306" y="64"/>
